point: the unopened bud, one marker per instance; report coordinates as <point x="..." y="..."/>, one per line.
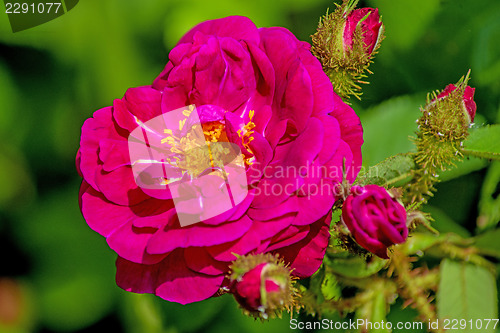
<point x="345" y="43"/>
<point x="449" y="114"/>
<point x="262" y="285"/>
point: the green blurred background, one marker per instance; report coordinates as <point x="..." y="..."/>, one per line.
<point x="56" y="275"/>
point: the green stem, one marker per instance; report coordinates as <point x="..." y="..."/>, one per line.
<point x="398" y="179"/>
<point x="414" y="295"/>
<point x="481" y="154"/>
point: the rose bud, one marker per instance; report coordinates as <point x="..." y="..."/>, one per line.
<point x="442" y="129"/>
<point x="345" y="43"/>
<point x="367" y="21"/>
<point x="262" y="285"/>
<point x="375" y="219"/>
<point x="448" y="114"/>
<point x="467" y="99"/>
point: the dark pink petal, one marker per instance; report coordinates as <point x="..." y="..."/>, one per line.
<point x="331" y="138"/>
<point x="350" y="127"/>
<point x="119" y="186"/>
<point x="227" y="252"/>
<point x="306" y="256"/>
<point x="104" y="216"/>
<point x="114" y="154"/>
<point x="306" y="147"/>
<point x="315" y="206"/>
<point x="92" y="130"/>
<point x="237" y="27"/>
<point x="180" y="284"/>
<point x="166" y="240"/>
<point x="137" y="106"/>
<point x="199" y="260"/>
<point x="251" y="240"/>
<point x="100" y="214"/>
<point x="170" y="279"/>
<point x="293" y="95"/>
<point x="470" y="105"/>
<point x="335" y="167"/>
<point x="321" y="85"/>
<point x="263" y="214"/>
<point x="130" y="242"/>
<point x="137" y="278"/>
<point x="288" y="236"/>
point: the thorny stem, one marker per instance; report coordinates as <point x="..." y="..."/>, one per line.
<point x="415" y="295"/>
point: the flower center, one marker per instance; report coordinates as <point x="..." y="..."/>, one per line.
<point x="214" y="131"/>
<point x="204" y="150"/>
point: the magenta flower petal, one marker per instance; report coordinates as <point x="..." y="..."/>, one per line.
<point x="198" y="259"/>
<point x="235" y="27"/>
<point x="263" y="214"/>
<point x="315" y="207"/>
<point x="169" y="279"/>
<point x="104" y="216"/>
<point x="306" y="255"/>
<point x="120" y="187"/>
<point x="293" y="83"/>
<point x="291" y="235"/>
<point x="259" y="90"/>
<point x="168" y="240"/>
<point x="113" y="154"/>
<point x="130" y="242"/>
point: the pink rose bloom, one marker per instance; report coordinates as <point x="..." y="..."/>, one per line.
<point x="375" y="219"/>
<point x="371" y="28"/>
<point x="236" y="75"/>
<point x="468" y="99"/>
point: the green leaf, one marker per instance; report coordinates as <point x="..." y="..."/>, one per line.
<point x="444" y="224"/>
<point x="484" y="142"/>
<point x="393" y="170"/>
<point x="466" y="292"/>
<point x="464" y="167"/>
<point x="418" y="242"/>
<point x="388" y="126"/>
<point x="489" y="202"/>
<point x="488" y="243"/>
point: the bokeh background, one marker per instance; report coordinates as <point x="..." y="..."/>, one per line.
<point x="56" y="275"/>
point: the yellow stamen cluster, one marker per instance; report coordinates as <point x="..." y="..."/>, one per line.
<point x="246" y="135"/>
<point x="195" y="154"/>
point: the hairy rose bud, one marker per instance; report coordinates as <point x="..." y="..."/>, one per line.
<point x="467" y="99"/>
<point x="375" y="218"/>
<point x="442" y="129"/>
<point x="447" y="115"/>
<point x="262" y="285"/>
<point x="345" y="43"/>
